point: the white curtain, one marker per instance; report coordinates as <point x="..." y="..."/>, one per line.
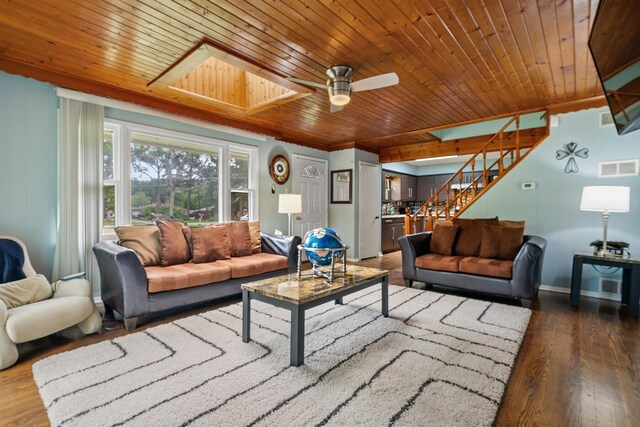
<point x="80" y="138"/>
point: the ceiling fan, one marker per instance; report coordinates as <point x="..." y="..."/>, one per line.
<point x="340" y="85"/>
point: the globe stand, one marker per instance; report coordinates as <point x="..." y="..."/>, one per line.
<point x="337" y="254"/>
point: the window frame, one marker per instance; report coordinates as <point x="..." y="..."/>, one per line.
<point x="123" y="132"/>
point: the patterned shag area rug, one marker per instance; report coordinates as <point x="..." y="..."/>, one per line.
<point x="437" y="360"/>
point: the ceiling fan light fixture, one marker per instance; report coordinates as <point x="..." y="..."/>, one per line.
<point x="339" y="91"/>
<point x="340" y="99"/>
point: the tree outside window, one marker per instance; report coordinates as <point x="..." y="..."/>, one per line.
<point x="168" y="182"/>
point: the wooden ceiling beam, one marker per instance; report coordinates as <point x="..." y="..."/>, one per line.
<point x="580" y="104"/>
<point x="461" y="146"/>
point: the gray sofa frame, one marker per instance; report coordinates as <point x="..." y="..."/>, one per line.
<point x="524" y="283"/>
<point x="124" y="281"/>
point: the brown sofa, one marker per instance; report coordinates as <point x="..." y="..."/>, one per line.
<point x="481" y="255"/>
<point x="154" y="269"/>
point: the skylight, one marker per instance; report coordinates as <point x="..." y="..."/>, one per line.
<point x="210" y="75"/>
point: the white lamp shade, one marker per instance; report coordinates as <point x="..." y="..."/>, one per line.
<point x="290" y="203"/>
<point x="602" y="198"/>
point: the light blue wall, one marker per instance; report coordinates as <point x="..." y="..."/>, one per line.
<point x="552" y="210"/>
<point x="490" y="127"/>
<point x="28" y="147"/>
<point x="401" y="168"/>
<point x="423" y="170"/>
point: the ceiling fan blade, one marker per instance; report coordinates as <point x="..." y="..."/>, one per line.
<point x="375" y="82"/>
<point x="336" y="108"/>
<point x="307" y="83"/>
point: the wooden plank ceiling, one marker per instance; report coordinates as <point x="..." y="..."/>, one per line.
<point x="457" y="60"/>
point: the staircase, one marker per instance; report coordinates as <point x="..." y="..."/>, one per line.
<point x="473" y="179"/>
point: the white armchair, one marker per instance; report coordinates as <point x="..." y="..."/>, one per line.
<point x="68" y="303"/>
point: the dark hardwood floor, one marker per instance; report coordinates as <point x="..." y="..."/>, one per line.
<point x="575" y="367"/>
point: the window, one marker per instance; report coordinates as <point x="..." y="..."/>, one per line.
<point x="239" y="185"/>
<point x="152" y="173"/>
<point x="109" y="174"/>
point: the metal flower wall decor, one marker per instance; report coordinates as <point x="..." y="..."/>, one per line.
<point x="572" y="166"/>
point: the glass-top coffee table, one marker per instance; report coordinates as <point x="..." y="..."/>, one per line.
<point x="295" y="295"/>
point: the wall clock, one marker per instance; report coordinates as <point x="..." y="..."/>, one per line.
<point x="279" y="169"/>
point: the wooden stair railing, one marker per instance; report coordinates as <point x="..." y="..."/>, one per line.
<point x="458" y="196"/>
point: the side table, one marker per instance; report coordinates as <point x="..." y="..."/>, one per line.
<point x="630" y="277"/>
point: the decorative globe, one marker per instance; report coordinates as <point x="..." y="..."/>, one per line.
<point x="322" y="238"/>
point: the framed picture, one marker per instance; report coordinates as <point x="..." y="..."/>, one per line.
<point x="341" y="188"/>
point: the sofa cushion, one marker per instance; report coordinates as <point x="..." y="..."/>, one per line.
<point x="173" y="245"/>
<point x="239" y="238"/>
<point x="207" y="244"/>
<point x="42" y="318"/>
<point x="254" y="234"/>
<point x="501" y="242"/>
<point x="25" y="291"/>
<point x="442" y="239"/>
<point x="487" y="267"/>
<point x="255" y="264"/>
<point x="470" y="235"/>
<point x="188" y="275"/>
<point x="438" y="262"/>
<point x="144" y="240"/>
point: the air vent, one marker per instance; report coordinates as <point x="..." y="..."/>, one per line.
<point x="618" y="168"/>
<point x="610" y="286"/>
<point x="606" y="119"/>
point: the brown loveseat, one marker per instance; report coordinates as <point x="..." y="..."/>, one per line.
<point x="156" y="268"/>
<point x="482" y="255"/>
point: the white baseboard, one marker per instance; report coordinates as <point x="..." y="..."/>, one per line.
<point x="591" y="294"/>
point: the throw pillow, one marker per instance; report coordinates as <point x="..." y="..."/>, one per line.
<point x="239" y="238"/>
<point x="254" y="234"/>
<point x="470" y="235"/>
<point x="501" y="242"/>
<point x="442" y="239"/>
<point x="11" y="261"/>
<point x="511" y="223"/>
<point x="144" y="240"/>
<point x="173" y="245"/>
<point x="208" y="244"/>
<point x="25" y="291"/>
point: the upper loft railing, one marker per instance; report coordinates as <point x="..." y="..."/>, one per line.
<point x="474" y="178"/>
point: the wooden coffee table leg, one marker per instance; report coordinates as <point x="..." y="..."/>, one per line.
<point x="297" y="336"/>
<point x="385" y="296"/>
<point x="246" y="316"/>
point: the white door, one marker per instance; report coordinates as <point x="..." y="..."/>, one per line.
<point x="369" y="212"/>
<point x="310" y="180"/>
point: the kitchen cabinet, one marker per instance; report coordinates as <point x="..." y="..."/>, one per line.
<point x="417" y="227"/>
<point x="387" y="235"/>
<point x="424" y="188"/>
<point x="392" y="230"/>
<point x="408" y="187"/>
<point x="438" y="181"/>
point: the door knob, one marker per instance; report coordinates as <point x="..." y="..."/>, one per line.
<point x="377" y="217"/>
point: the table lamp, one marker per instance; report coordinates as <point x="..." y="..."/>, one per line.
<point x="290" y="204"/>
<point x="605" y="199"/>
